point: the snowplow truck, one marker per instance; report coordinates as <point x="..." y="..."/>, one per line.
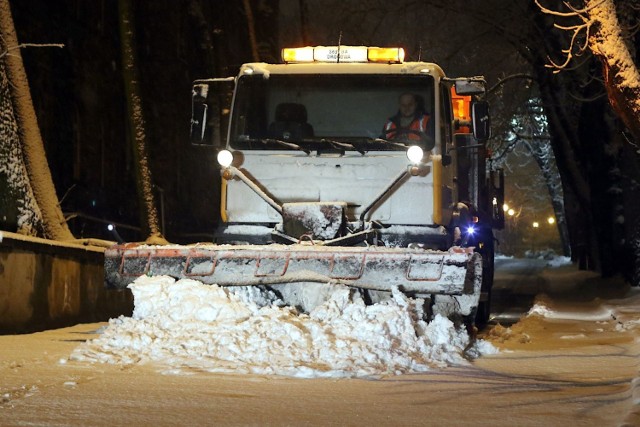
<point x="327" y="179"/>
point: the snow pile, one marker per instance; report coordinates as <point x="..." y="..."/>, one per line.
<point x="597" y="313"/>
<point x="186" y="324"/>
<point x="559" y="261"/>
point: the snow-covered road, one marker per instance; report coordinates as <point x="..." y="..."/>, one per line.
<point x="572" y="361"/>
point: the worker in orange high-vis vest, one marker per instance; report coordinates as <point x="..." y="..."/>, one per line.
<point x="408" y="121"/>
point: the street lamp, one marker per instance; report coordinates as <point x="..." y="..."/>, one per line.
<point x="536" y="224"/>
<point x="551" y="220"/>
<point x="511" y="212"/>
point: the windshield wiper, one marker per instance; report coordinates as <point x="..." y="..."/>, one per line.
<point x="291" y="145"/>
<point x="340" y="145"/>
<point x="362" y="145"/>
<point x="386" y="142"/>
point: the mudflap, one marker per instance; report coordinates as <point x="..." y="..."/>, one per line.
<point x="453" y="277"/>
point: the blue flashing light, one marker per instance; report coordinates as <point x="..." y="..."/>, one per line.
<point x="471" y="230"/>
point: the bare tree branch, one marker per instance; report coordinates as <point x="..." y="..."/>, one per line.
<point x="511" y="77"/>
<point x="21" y="45"/>
<point x="569" y="52"/>
<point x="574" y="12"/>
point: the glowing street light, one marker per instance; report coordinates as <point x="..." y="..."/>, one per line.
<point x="505" y="207"/>
<point x="536" y="224"/>
<point x="551" y="220"/>
<point x="511" y="212"/>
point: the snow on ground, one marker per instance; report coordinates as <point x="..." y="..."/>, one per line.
<point x="559" y="261"/>
<point x="549" y="372"/>
<point x="564" y="296"/>
<point x="623" y="312"/>
<point x="186" y="324"/>
<point x="595" y="299"/>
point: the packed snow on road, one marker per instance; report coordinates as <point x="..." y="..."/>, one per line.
<point x="183" y="325"/>
<point x="570" y="358"/>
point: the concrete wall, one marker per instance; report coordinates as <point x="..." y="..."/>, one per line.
<point x="46" y="284"/>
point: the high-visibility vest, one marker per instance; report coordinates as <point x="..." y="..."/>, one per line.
<point x="417" y="124"/>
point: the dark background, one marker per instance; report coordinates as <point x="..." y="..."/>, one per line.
<point x="80" y="102"/>
<point x="78" y="90"/>
<point x="78" y="93"/>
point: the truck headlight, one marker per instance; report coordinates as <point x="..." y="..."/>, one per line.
<point x="415" y="154"/>
<point x="225" y="158"/>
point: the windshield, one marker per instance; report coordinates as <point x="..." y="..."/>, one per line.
<point x="343" y="112"/>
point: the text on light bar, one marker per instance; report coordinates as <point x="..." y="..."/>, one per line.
<point x="347" y="54"/>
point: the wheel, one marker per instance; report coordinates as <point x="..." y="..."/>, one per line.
<point x="484" y="307"/>
<point x="483" y="313"/>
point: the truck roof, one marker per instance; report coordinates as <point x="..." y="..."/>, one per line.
<point x="343" y="68"/>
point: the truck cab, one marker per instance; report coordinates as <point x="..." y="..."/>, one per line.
<point x="330" y="179"/>
<point x="311" y="138"/>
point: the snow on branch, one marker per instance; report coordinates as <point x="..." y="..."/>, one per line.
<point x="574" y="12"/>
<point x="22" y="45"/>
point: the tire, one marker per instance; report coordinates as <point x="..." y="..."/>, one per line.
<point x="483" y="313"/>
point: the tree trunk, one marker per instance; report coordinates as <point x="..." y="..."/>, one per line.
<point x="262" y="27"/>
<point x="552" y="180"/>
<point x="19" y="211"/>
<point x="622" y="82"/>
<point x="622" y="79"/>
<point x="576" y="189"/>
<point x="560" y="109"/>
<point x="37" y="167"/>
<point x="251" y="29"/>
<point x="203" y="39"/>
<point x="304" y="25"/>
<point x="149" y="213"/>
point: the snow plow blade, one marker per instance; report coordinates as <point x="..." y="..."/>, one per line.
<point x="376" y="268"/>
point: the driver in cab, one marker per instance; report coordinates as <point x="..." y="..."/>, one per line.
<point x="410" y="122"/>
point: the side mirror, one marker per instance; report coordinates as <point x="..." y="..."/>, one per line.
<point x="481" y="120"/>
<point x="210" y="111"/>
<point x="199" y="114"/>
<point x="470" y="86"/>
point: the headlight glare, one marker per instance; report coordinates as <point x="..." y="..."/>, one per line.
<point x="225" y="158"/>
<point x="415" y="154"/>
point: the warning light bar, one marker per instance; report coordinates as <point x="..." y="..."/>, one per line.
<point x="386" y="54"/>
<point x="392" y="55"/>
<point x="300" y="54"/>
